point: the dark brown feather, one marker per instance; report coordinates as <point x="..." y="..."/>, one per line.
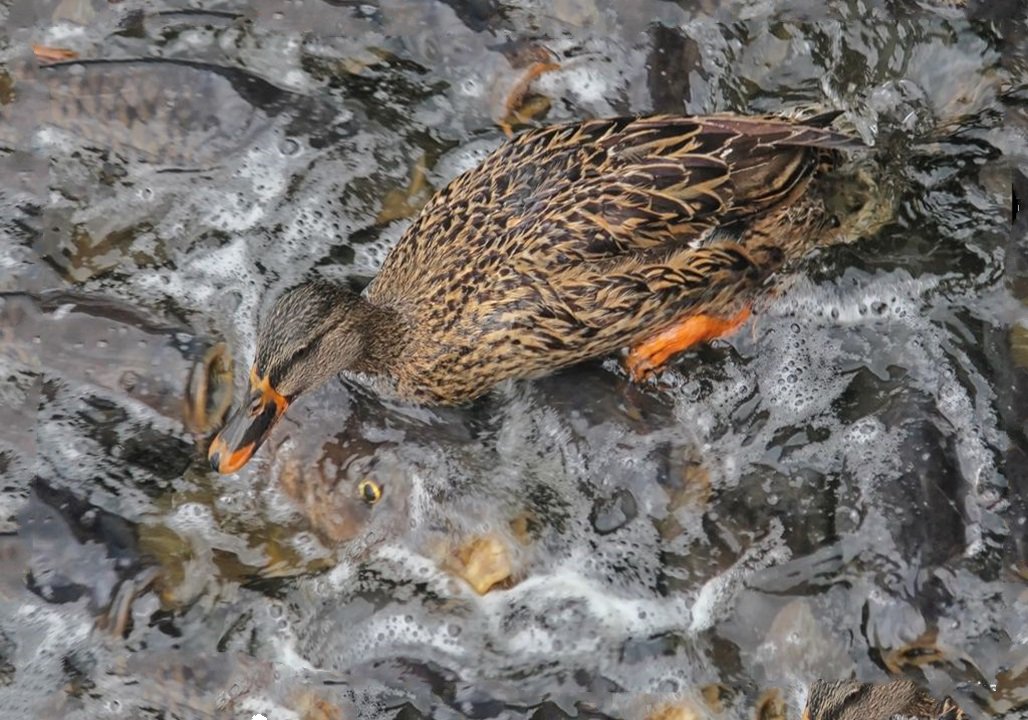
<point x="575" y="240"/>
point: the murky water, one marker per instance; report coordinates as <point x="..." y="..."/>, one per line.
<point x="839" y="491"/>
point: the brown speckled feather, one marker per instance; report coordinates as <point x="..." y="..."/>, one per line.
<point x="848" y="700"/>
<point x="576" y="240"/>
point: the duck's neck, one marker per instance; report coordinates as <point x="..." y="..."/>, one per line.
<point x="383" y="336"/>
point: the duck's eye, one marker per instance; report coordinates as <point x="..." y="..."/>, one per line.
<point x="370" y="491"/>
<point x="255" y="406"/>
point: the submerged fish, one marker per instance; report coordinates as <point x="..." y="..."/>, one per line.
<point x="162" y="111"/>
<point x="115" y="347"/>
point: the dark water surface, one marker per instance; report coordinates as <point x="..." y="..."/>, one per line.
<point x="838" y="491"/>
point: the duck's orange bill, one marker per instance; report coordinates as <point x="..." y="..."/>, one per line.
<point x="225" y="460"/>
<point x="248" y="427"/>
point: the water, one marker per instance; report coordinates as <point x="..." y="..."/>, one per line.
<point x="837" y="491"/>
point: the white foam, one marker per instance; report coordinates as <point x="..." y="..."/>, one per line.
<point x="591" y="82"/>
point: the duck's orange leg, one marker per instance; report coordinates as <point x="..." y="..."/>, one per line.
<point x="651" y="354"/>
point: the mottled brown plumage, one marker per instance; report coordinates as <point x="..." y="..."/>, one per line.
<point x="576" y="240"/>
<point x="566" y="243"/>
<point x="847" y="700"/>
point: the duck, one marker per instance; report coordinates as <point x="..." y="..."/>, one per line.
<point x="851" y="700"/>
<point x="568" y="242"/>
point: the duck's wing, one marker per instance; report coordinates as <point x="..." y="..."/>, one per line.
<point x="664" y="180"/>
<point x="602" y="189"/>
<point x="595" y="308"/>
<point x="647" y="182"/>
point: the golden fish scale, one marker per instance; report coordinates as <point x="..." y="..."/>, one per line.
<point x="160" y="111"/>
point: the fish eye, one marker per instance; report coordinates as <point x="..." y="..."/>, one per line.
<point x="369" y="491"/>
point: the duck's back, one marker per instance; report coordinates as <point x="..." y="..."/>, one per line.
<point x="483" y="254"/>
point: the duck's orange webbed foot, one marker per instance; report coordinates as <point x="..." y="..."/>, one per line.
<point x="49" y="54"/>
<point x="651" y="354"/>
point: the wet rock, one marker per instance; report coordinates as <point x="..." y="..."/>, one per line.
<point x="479" y="15"/>
<point x="20" y="390"/>
<point x="922" y="503"/>
<point x="165" y="456"/>
<point x="76" y="549"/>
<point x="613" y="512"/>
<point x="1007" y="351"/>
<point x="7" y="666"/>
<point x="673" y="57"/>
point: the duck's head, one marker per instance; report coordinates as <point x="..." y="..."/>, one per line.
<point x="313" y="332"/>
